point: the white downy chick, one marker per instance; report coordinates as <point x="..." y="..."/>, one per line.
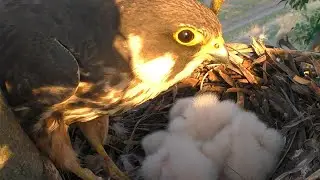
<point x="179" y="107"/>
<point x="219" y="148"/>
<point x="153" y="142"/>
<point x="254" y="148"/>
<point x="203" y="116"/>
<point x="179" y="158"/>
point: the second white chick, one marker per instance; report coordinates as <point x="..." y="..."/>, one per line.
<point x="153" y="142"/>
<point x="178" y="158"/>
<point x="201" y="116"/>
<point x="250" y="149"/>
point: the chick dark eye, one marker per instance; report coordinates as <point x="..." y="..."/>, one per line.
<point x="186" y="36"/>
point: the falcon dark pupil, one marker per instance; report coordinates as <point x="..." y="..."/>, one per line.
<point x="186" y="36"/>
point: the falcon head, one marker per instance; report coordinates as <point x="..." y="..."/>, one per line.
<point x="166" y="40"/>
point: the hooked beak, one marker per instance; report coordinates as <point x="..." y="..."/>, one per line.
<point x="221" y="54"/>
<point x="216" y="48"/>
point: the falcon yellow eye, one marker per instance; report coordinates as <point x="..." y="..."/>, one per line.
<point x="188" y="36"/>
<point x="185" y="36"/>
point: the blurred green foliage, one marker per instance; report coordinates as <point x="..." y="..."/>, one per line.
<point x="306" y="29"/>
<point x="297" y="4"/>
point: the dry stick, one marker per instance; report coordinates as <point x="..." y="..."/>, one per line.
<point x="296" y="121"/>
<point x="292" y="64"/>
<point x="245" y="55"/>
<point x="202" y="80"/>
<point x="114" y="148"/>
<point x="226" y="78"/>
<point x="259" y="60"/>
<point x="316" y="65"/>
<point x="235" y="69"/>
<point x="264" y="73"/>
<point x="296" y="52"/>
<point x="135" y="127"/>
<point x="285" y="154"/>
<point x="291" y="104"/>
<point x="237" y="89"/>
<point x="314" y="176"/>
<point x="287" y="70"/>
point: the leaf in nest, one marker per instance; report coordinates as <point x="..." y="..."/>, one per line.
<point x="244" y="81"/>
<point x="260" y="59"/>
<point x="234" y="68"/>
<point x="213" y="88"/>
<point x="189" y="81"/>
<point x="265" y="77"/>
<point x="277" y="107"/>
<point x="238" y="47"/>
<point x="301" y="80"/>
<point x="226" y="78"/>
<point x="237" y="89"/>
<point x="316" y="65"/>
<point x="251" y="78"/>
<point x="213" y="77"/>
<point x="287" y="70"/>
<point x="315" y="88"/>
<point x="259" y="48"/>
<point x="303" y="90"/>
<point x="235" y="59"/>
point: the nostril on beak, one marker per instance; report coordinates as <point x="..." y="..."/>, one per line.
<point x="216" y="45"/>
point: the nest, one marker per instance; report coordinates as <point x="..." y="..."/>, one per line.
<point x="280" y="86"/>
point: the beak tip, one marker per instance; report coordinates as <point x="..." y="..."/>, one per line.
<point x="224" y="60"/>
<point x="221" y="56"/>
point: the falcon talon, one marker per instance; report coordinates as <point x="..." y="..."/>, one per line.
<point x="75" y="61"/>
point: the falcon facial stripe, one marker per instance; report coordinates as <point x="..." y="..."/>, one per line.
<point x="153" y="71"/>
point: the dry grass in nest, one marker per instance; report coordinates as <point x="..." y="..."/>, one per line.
<point x="280" y="86"/>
